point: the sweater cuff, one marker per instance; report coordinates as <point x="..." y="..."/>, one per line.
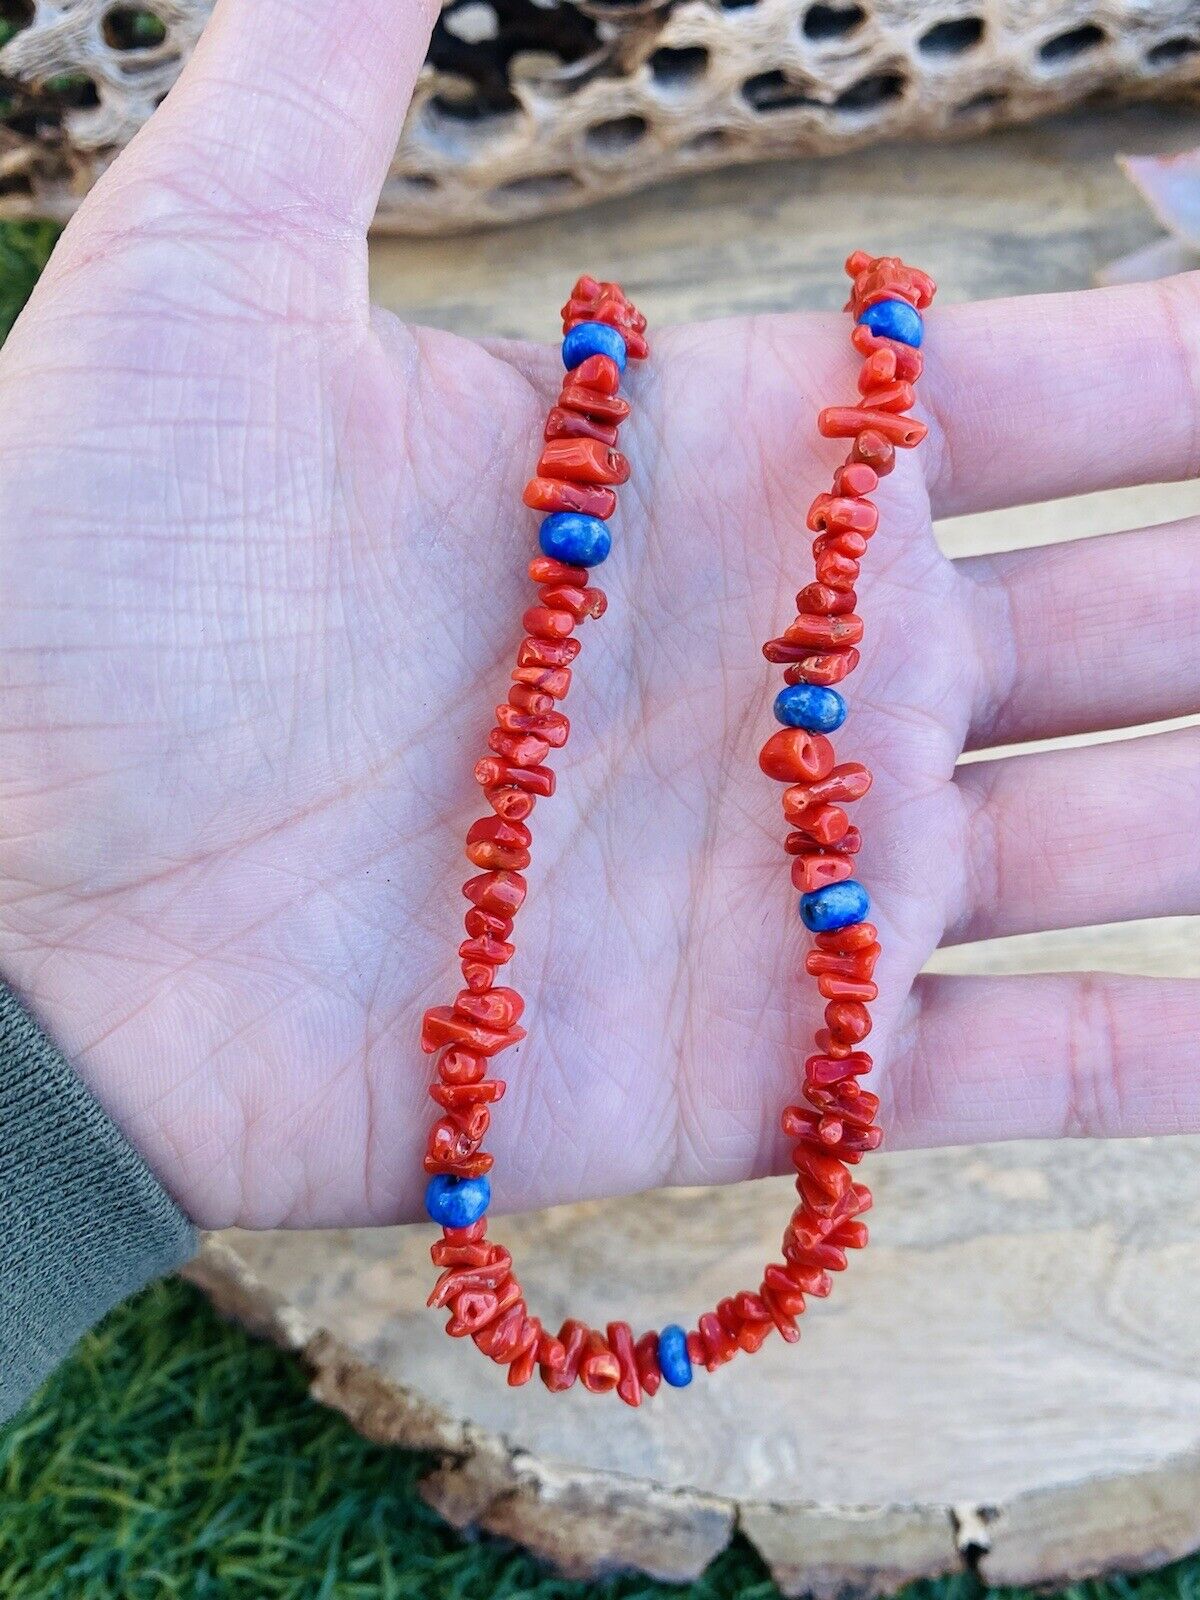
<point x="83" y="1221"/>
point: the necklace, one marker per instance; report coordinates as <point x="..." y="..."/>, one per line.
<point x="577" y="476"/>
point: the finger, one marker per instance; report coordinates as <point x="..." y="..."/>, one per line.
<point x="1092" y="1055"/>
<point x="1091" y="634"/>
<point x="292" y="108"/>
<point x="1066" y="838"/>
<point x="1056" y="395"/>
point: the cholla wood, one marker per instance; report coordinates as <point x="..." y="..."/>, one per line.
<point x="526" y="107"/>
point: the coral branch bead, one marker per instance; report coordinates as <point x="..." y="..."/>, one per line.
<point x="832" y="1125"/>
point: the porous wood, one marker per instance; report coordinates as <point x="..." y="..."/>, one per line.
<point x="1025" y="1329"/>
<point x="526" y="107"/>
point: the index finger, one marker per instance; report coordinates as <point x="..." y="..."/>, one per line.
<point x="1054" y="395"/>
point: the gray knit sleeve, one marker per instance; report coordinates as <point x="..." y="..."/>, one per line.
<point x="83" y="1220"/>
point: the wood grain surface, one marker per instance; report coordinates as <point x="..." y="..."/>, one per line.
<point x="1025" y="1331"/>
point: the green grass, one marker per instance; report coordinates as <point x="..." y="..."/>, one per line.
<point x="174" y="1458"/>
<point x="24" y="250"/>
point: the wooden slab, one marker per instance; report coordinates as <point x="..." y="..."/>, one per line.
<point x="1024" y="1334"/>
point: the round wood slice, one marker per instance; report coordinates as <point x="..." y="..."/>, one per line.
<point x="1010" y="1377"/>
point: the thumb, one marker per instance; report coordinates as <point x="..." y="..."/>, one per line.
<point x="292" y="108"/>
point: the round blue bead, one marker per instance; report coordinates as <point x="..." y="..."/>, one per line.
<point x="673" y="1356"/>
<point x="457" y="1202"/>
<point x="894" y="319"/>
<point x="808" y="705"/>
<point x="837" y="905"/>
<point x="578" y="540"/>
<point x="593" y="339"/>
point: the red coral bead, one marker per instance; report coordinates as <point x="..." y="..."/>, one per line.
<point x="872" y="449"/>
<point x="821" y="1070"/>
<point x="441" y="1025"/>
<point x="649" y="1370"/>
<point x="545" y="569"/>
<point x="855" y="478"/>
<point x="551" y="726"/>
<point x="493" y="842"/>
<point x="563" y="1355"/>
<point x="892" y="397"/>
<point x="562" y="424"/>
<point x="581" y="397"/>
<point x="793" y="754"/>
<point x="847" y="422"/>
<point x="455" y="1095"/>
<point x="832" y="987"/>
<point x="546" y="652"/>
<point x="483" y="951"/>
<point x="581" y="603"/>
<point x="583" y="461"/>
<point x="620" y="1342"/>
<point x="457" y="1067"/>
<point x="514" y="805"/>
<point x="842" y="514"/>
<point x="848" y="1019"/>
<point x="825" y="633"/>
<point x="527" y="698"/>
<point x="800" y="844"/>
<point x="552" y="494"/>
<point x="824" y="824"/>
<point x="523" y="750"/>
<point x="823" y="668"/>
<point x="499" y="1008"/>
<point x="837" y="571"/>
<point x="858" y="963"/>
<point x="820" y="598"/>
<point x="501" y="892"/>
<point x="858" y="936"/>
<point x="554" y="681"/>
<point x="815" y="871"/>
<point x="600" y="1370"/>
<point x="543" y="623"/>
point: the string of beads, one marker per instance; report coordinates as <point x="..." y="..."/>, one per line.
<point x="577" y="476"/>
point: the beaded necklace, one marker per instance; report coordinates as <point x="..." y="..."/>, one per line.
<point x="577" y="476"/>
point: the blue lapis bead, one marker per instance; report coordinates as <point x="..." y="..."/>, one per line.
<point x="809" y="705"/>
<point x="457" y="1202"/>
<point x="837" y="905"/>
<point x="673" y="1358"/>
<point x="894" y="319"/>
<point x="593" y="339"/>
<point x="578" y="540"/>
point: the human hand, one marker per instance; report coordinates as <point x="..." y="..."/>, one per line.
<point x="263" y="563"/>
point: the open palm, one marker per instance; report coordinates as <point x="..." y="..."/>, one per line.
<point x="262" y="565"/>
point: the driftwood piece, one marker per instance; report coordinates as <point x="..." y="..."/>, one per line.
<point x="1027" y="1321"/>
<point x="526" y="107"/>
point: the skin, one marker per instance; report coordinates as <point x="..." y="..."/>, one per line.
<point x="262" y="566"/>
